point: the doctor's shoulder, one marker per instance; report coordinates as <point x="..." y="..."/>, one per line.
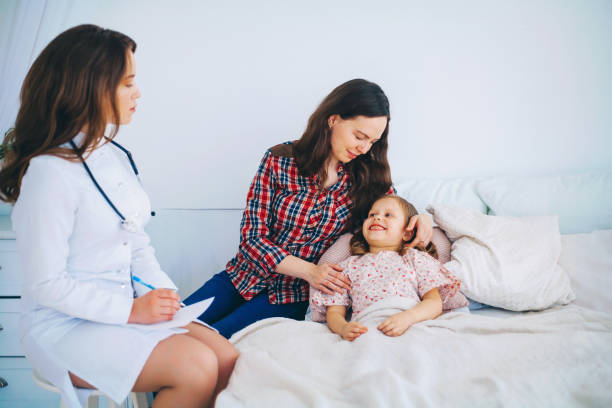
<point x="49" y="171"/>
<point x="46" y="187"/>
<point x="54" y="164"/>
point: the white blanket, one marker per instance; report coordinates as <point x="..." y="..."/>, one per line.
<point x="557" y="357"/>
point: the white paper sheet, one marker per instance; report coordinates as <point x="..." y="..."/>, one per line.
<point x="183" y="317"/>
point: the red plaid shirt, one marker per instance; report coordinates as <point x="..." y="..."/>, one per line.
<point x="286" y="214"/>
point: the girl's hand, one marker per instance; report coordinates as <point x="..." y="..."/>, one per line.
<point x="352" y="330"/>
<point x="424" y="230"/>
<point x="396" y="325"/>
<point x="156" y="306"/>
<point x="328" y="278"/>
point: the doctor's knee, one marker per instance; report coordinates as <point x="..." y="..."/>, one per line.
<point x="228" y="356"/>
<point x="202" y="370"/>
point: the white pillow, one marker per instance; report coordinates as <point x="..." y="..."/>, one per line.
<point x="339" y="251"/>
<point x="587" y="259"/>
<point x="581" y="201"/>
<point x="459" y="192"/>
<point x="507" y="262"/>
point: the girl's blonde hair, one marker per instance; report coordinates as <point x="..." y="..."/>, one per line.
<point x="360" y="246"/>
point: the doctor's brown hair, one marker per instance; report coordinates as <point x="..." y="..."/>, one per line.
<point x="359" y="245"/>
<point x="369" y="173"/>
<point x="71" y="85"/>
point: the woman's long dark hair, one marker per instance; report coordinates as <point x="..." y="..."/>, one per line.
<point x="70" y="86"/>
<point x="369" y="173"/>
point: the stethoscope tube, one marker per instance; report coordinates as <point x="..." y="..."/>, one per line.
<point x="91" y="176"/>
<point x="128" y="154"/>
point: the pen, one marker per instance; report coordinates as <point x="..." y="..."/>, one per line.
<point x="143" y="283"/>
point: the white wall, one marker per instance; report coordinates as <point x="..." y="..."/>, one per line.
<point x="477" y="88"/>
<point x="192" y="245"/>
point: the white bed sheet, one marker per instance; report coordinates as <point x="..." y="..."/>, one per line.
<point x="558" y="357"/>
<point x="587" y="259"/>
<point x="489" y="357"/>
<point x="495" y="312"/>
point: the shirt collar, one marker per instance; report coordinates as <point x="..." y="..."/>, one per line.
<point x="78" y="139"/>
<point x="91" y="153"/>
<point x="342" y="175"/>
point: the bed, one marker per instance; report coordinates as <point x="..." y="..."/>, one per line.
<point x="546" y="342"/>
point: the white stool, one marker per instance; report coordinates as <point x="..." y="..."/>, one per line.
<point x="138" y="399"/>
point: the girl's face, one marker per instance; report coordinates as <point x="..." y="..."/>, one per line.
<point x="385" y="225"/>
<point x="127" y="92"/>
<point x="353" y="137"/>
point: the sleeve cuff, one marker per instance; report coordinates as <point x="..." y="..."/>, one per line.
<point x="272" y="258"/>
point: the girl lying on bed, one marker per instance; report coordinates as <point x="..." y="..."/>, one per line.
<point x="382" y="267"/>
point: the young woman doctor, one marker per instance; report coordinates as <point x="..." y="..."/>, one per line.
<point x="79" y="215"/>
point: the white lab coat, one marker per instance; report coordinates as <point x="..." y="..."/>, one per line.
<point x="76" y="262"/>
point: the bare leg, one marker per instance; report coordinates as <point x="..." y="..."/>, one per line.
<point x="225" y="351"/>
<point x="78" y="382"/>
<point x="182" y="369"/>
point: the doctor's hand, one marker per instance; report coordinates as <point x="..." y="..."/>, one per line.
<point x="156" y="306"/>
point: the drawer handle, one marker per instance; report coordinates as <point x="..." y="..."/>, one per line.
<point x="1" y="328"/>
<point x="3" y="383"/>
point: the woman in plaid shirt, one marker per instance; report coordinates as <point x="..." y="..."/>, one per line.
<point x="304" y="195"/>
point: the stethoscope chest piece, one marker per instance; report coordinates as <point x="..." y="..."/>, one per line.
<point x="129" y="225"/>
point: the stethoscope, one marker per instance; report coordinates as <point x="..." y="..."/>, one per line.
<point x="126" y="223"/>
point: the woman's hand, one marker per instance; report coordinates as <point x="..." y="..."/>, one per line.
<point x="328" y="278"/>
<point x="424" y="230"/>
<point x="352" y="330"/>
<point x="156" y="306"/>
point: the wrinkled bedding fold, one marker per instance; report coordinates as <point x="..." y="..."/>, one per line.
<point x="558" y="357"/>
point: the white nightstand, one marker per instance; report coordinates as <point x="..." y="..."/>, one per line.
<point x="17" y="386"/>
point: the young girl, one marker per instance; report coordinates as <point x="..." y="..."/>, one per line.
<point x="381" y="268"/>
<point x="79" y="216"/>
